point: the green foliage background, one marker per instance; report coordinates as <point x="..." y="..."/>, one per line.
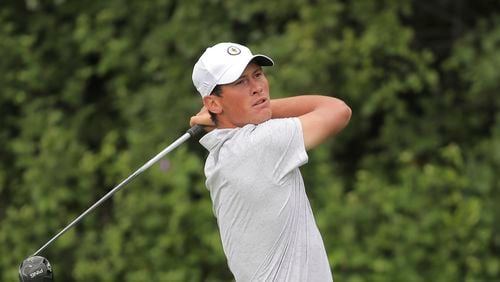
<point x="90" y="90"/>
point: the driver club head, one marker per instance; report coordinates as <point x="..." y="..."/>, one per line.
<point x="35" y="269"/>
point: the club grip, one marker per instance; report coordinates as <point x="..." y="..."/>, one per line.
<point x="195" y="130"/>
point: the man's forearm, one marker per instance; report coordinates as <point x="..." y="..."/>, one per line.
<point x="320" y="116"/>
<point x="300" y="105"/>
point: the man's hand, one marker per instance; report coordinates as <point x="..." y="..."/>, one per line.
<point x="203" y="118"/>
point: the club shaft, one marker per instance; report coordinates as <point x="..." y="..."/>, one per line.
<point x="148" y="164"/>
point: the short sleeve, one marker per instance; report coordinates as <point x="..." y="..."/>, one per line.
<point x="279" y="146"/>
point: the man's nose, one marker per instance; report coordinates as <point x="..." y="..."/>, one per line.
<point x="256" y="86"/>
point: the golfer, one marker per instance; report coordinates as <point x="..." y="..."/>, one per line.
<point x="256" y="145"/>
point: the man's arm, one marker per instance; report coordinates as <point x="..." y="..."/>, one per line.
<point x="320" y="116"/>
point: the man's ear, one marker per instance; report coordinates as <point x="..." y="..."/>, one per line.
<point x="212" y="104"/>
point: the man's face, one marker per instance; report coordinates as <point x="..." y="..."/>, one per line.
<point x="245" y="101"/>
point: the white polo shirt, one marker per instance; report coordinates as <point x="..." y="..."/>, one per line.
<point x="265" y="220"/>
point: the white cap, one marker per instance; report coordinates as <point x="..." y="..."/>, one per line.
<point x="223" y="63"/>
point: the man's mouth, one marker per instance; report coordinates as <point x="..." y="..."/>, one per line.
<point x="260" y="101"/>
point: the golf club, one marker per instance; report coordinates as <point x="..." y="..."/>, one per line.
<point x="38" y="268"/>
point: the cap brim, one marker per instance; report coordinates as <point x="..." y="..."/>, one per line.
<point x="235" y="72"/>
<point x="262" y="60"/>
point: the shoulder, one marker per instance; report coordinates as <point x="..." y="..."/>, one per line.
<point x="279" y="125"/>
<point x="271" y="131"/>
<point x="276" y="132"/>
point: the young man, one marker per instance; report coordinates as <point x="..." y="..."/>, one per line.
<point x="256" y="147"/>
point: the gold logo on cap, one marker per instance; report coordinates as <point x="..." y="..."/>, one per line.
<point x="233" y="50"/>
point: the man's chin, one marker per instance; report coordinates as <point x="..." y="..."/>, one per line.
<point x="263" y="119"/>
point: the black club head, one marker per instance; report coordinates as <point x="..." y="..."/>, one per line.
<point x="35" y="269"/>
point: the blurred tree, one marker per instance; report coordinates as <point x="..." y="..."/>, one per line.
<point x="91" y="90"/>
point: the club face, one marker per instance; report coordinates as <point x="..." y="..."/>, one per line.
<point x="35" y="269"/>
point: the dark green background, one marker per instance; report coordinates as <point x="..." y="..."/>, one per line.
<point x="90" y="90"/>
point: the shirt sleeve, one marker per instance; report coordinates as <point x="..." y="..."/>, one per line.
<point x="279" y="145"/>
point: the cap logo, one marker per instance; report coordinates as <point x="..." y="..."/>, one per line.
<point x="233" y="50"/>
